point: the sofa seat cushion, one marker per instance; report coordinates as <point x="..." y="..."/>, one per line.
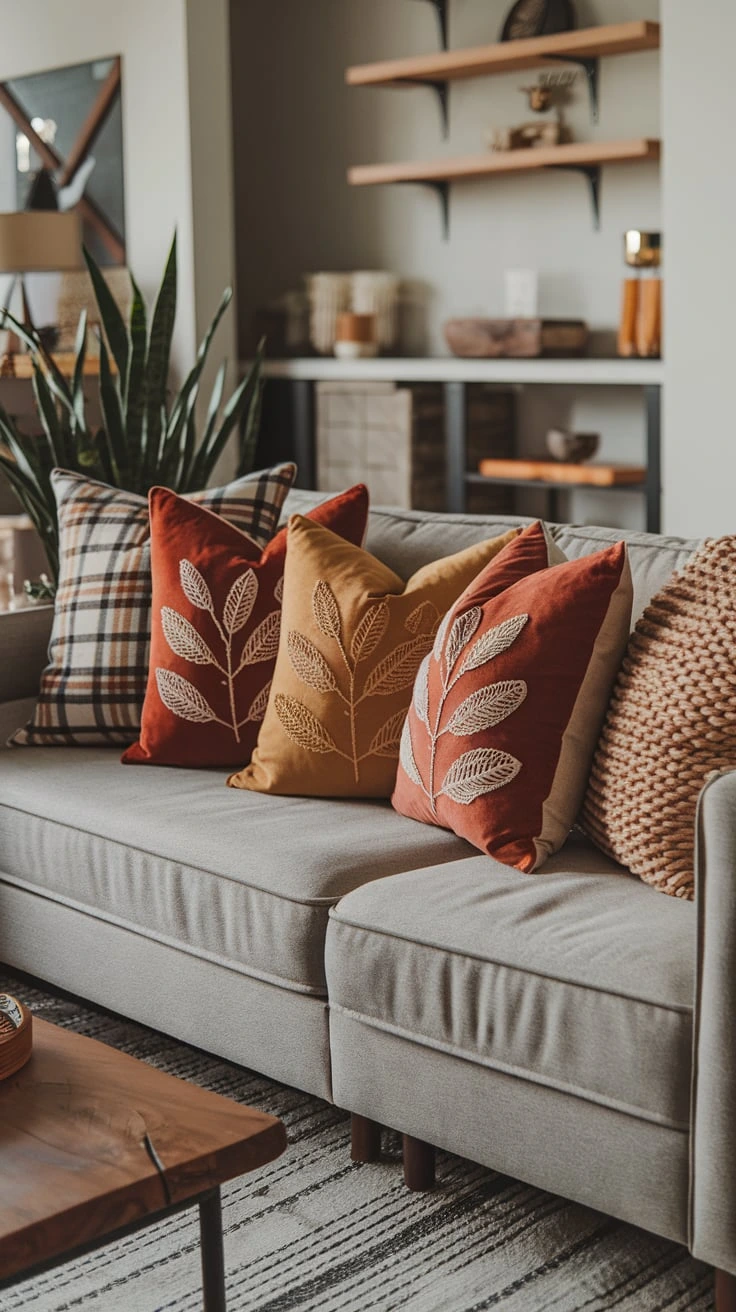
<point x="580" y="979"/>
<point x="234" y="877"/>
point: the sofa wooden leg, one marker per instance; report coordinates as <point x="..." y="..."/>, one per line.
<point x="365" y="1138"/>
<point x="418" y="1164"/>
<point x="725" y="1292"/>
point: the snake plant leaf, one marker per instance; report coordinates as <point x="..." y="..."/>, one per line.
<point x="36" y="348"/>
<point x="157" y="364"/>
<point x="249" y="432"/>
<point x="80" y="351"/>
<point x="49" y="416"/>
<point x="113" y="415"/>
<point x="135" y="388"/>
<point x="208" y="456"/>
<point x="110" y="316"/>
<point x="195" y="373"/>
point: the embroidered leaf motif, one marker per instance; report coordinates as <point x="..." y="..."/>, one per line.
<point x="240" y="601"/>
<point x="406" y="756"/>
<point x="460" y="635"/>
<point x="421" y="691"/>
<point x="386" y="741"/>
<point x="195" y="588"/>
<point x="439" y="641"/>
<point x="423" y="619"/>
<point x="278" y="591"/>
<point x="492" y="643"/>
<point x="258" y="705"/>
<point x="398" y="670"/>
<point x="302" y="727"/>
<point x="369" y="632"/>
<point x="263" y="643"/>
<point x="182" y="698"/>
<point x="309" y="664"/>
<point x="487" y="707"/>
<point x="478" y="772"/>
<point x="326" y="610"/>
<point x="183" y="638"/>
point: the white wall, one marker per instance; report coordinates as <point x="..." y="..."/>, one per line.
<point x="176" y="133"/>
<point x="298" y="128"/>
<point x="700" y="261"/>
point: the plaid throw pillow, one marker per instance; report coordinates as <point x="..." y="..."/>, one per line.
<point x="93" y="688"/>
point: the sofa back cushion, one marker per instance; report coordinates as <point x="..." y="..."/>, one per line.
<point x="405" y="540"/>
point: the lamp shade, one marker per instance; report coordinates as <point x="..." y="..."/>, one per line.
<point x="39" y="241"/>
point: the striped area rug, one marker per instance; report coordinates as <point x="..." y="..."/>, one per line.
<point x="314" y="1233"/>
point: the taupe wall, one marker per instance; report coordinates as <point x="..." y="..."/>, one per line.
<point x="297" y="128"/>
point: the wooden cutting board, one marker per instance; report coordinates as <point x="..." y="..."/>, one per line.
<point x="552" y="471"/>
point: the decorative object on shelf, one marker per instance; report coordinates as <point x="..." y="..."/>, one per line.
<point x="35" y="241"/>
<point x="521" y="293"/>
<point x="148" y="436"/>
<point x="572" y="447"/>
<point x="640" y="327"/>
<point x="356" y="336"/>
<point x="77" y="294"/>
<point x="329" y="295"/>
<point x="528" y="18"/>
<point x="490" y="339"/>
<point x="550" y="471"/>
<point x="526" y="136"/>
<point x="16" y="1035"/>
<point x="548" y="90"/>
<point x="377" y="292"/>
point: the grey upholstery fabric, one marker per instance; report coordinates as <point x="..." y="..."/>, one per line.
<point x="713" y="1152"/>
<point x="273" y="1030"/>
<point x="407" y="539"/>
<point x="234" y="877"/>
<point x="24" y="646"/>
<point x="619" y="1164"/>
<point x="579" y="979"/>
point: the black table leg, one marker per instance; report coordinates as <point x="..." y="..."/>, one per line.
<point x="302" y="391"/>
<point x="213" y="1256"/>
<point x="456" y="446"/>
<point x="653" y="395"/>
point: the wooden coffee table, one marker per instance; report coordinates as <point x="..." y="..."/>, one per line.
<point x="95" y="1145"/>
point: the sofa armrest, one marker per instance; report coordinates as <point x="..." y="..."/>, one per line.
<point x="713" y="1117"/>
<point x="24" y="643"/>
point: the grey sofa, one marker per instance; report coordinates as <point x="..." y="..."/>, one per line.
<point x="572" y="1028"/>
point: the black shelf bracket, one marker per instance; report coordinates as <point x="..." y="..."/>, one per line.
<point x="442" y="92"/>
<point x="591" y="68"/>
<point x="593" y="174"/>
<point x="440" y="7"/>
<point x="442" y="190"/>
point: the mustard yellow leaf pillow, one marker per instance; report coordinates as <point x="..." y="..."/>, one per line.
<point x="353" y="636"/>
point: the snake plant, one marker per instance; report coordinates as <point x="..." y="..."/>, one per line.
<point x="147" y="436"/>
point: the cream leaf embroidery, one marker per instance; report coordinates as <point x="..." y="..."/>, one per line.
<point x="439" y="641"/>
<point x="493" y="643"/>
<point x="369" y="632"/>
<point x="258" y="705"/>
<point x="309" y="664"/>
<point x="240" y="602"/>
<point x="183" y="638"/>
<point x="460" y="634"/>
<point x="487" y="707"/>
<point x="326" y="611"/>
<point x="477" y="773"/>
<point x="195" y="588"/>
<point x="397" y="670"/>
<point x="182" y="698"/>
<point x="386" y="741"/>
<point x="278" y="591"/>
<point x="302" y="726"/>
<point x="263" y="643"/>
<point x="406" y="756"/>
<point x="424" y="617"/>
<point x="421" y="691"/>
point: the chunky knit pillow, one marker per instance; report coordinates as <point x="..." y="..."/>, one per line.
<point x="670" y="723"/>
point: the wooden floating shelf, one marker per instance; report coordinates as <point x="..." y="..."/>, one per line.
<point x="557" y="474"/>
<point x="509" y="56"/>
<point x="579" y="154"/>
<point x="20" y="365"/>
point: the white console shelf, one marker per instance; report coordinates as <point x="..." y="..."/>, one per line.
<point x="574" y="373"/>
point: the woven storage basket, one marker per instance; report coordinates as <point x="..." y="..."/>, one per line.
<point x="670" y="723"/>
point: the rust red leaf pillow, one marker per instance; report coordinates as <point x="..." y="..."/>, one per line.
<point x="216" y="617"/>
<point x="507" y="708"/>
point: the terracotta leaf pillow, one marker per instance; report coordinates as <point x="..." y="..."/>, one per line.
<point x="93" y="688"/>
<point x="508" y="706"/>
<point x="670" y="723"/>
<point x="215" y="629"/>
<point x="353" y="636"/>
